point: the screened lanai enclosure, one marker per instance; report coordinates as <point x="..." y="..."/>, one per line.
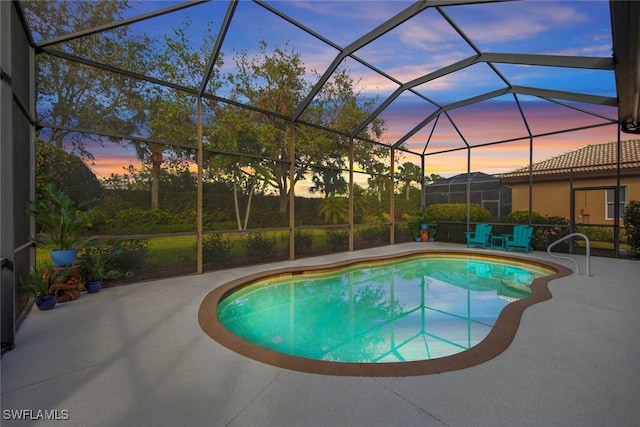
<point x="481" y="189"/>
<point x="211" y="134"/>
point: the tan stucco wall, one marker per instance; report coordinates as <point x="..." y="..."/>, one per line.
<point x="552" y="198"/>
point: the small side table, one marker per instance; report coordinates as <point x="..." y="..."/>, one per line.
<point x="497" y="242"/>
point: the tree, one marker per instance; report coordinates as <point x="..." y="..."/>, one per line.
<point x="274" y="81"/>
<point x="66" y="171"/>
<point x="170" y="118"/>
<point x="233" y="132"/>
<point x="408" y="173"/>
<point x="328" y="179"/>
<point x="74" y="95"/>
<point x="432" y="178"/>
<point x="379" y="181"/>
<point x="170" y="115"/>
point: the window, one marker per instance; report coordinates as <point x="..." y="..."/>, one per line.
<point x="609" y="201"/>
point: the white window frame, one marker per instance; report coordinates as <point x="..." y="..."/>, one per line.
<point x="608" y="203"/>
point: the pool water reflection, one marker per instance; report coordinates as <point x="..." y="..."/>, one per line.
<point x="417" y="308"/>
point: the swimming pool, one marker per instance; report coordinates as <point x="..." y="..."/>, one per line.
<point x="378" y="316"/>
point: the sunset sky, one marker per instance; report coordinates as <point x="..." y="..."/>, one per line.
<point x="420" y="46"/>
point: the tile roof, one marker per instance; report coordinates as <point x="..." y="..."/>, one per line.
<point x="590" y="158"/>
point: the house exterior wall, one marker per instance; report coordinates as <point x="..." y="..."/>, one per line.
<point x="549" y="198"/>
<point x="553" y="197"/>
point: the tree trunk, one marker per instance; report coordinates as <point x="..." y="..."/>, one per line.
<point x="283" y="194"/>
<point x="235" y="201"/>
<point x="156" y="161"/>
<point x="237" y="205"/>
<point x="283" y="200"/>
<point x="57" y="136"/>
<point x="246" y="216"/>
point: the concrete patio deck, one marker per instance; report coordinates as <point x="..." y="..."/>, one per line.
<point x="135" y="355"/>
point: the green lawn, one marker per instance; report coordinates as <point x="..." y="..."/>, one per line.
<point x="171" y="250"/>
<point x="601" y="245"/>
<point x="176" y="250"/>
<point x="162" y="251"/>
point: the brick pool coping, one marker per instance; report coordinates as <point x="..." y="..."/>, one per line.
<point x="496" y="342"/>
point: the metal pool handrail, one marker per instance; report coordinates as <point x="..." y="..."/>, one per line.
<point x="562" y="239"/>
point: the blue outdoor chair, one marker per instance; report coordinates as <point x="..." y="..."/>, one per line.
<point x="480" y="237"/>
<point x="520" y="239"/>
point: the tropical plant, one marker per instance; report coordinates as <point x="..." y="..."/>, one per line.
<point x="61" y="221"/>
<point x="417" y="228"/>
<point x="335" y="209"/>
<point x="35" y="284"/>
<point x="38" y="282"/>
<point x="97" y="264"/>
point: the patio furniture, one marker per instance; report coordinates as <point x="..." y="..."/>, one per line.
<point x="480" y="269"/>
<point x="520" y="239"/>
<point x="497" y="242"/>
<point x="479" y="237"/>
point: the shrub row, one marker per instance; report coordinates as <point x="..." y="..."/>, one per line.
<point x="456" y="212"/>
<point x="632" y="226"/>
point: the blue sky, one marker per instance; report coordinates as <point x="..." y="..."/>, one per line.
<point x="422" y="44"/>
<point x="428" y="42"/>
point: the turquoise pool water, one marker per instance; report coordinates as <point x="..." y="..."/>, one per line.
<point x="417" y="308"/>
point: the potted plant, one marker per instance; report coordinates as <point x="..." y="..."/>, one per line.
<point x="61" y="221"/>
<point x="423" y="227"/>
<point x="433" y="227"/>
<point x="424" y="221"/>
<point x="96" y="265"/>
<point x="37" y="286"/>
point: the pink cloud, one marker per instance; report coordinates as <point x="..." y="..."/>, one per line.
<point x="489" y="122"/>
